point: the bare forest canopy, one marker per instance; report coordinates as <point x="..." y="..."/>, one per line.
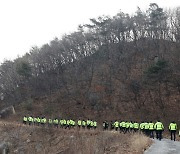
<point x="118" y="64"/>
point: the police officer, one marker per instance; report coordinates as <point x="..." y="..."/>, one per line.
<point x="127" y="126"/>
<point x="172" y="129"/>
<point x="159" y="129"/>
<point x="38" y="120"/>
<point x="43" y="121"/>
<point x="123" y="124"/>
<point x="35" y="120"/>
<point x="131" y="126"/>
<point x="73" y="123"/>
<point x="136" y="126"/>
<point x="142" y="127"/>
<point x="50" y="121"/>
<point x="25" y="119"/>
<point x="65" y="123"/>
<point x="55" y="122"/>
<point x="105" y="125"/>
<point x="116" y="124"/>
<point x="68" y="124"/>
<point x="91" y="124"/>
<point x="88" y="124"/>
<point x="95" y="124"/>
<point x="146" y="128"/>
<point x="30" y="120"/>
<point x="79" y="123"/>
<point x="151" y="129"/>
<point x="83" y="124"/>
<point x="61" y="123"/>
<point x="111" y="125"/>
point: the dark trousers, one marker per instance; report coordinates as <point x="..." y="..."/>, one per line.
<point x="124" y="129"/>
<point x="159" y="134"/>
<point x="127" y="130"/>
<point x="146" y="131"/>
<point x="151" y="133"/>
<point x="173" y="135"/>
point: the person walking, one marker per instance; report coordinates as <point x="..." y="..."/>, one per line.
<point x="136" y="126"/>
<point x="172" y="129"/>
<point x="95" y="124"/>
<point x="146" y="128"/>
<point x="25" y="119"/>
<point x="79" y="123"/>
<point x="159" y="129"/>
<point x="123" y="124"/>
<point x="151" y="129"/>
<point x="116" y="124"/>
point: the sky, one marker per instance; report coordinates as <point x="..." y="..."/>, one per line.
<point x="28" y="23"/>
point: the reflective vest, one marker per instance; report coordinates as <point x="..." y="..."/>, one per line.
<point x="25" y="119"/>
<point x="68" y="122"/>
<point x="136" y="125"/>
<point x="159" y="126"/>
<point x="50" y="121"/>
<point x="95" y="124"/>
<point x="43" y="120"/>
<point x="55" y="121"/>
<point x="38" y="120"/>
<point x="35" y="119"/>
<point x="116" y="124"/>
<point x="61" y="122"/>
<point x="64" y="122"/>
<point x="127" y="124"/>
<point x="142" y="126"/>
<point x="131" y="125"/>
<point x="30" y="119"/>
<point x="73" y="123"/>
<point x="91" y="123"/>
<point x="88" y="122"/>
<point x="151" y="126"/>
<point x="172" y="126"/>
<point x="146" y="126"/>
<point x="123" y="124"/>
<point x="104" y="124"/>
<point x="83" y="123"/>
<point x="79" y="122"/>
<point x="120" y="124"/>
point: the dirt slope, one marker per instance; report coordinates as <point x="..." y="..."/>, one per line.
<point x="30" y="139"/>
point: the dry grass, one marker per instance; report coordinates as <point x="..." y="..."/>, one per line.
<point x="139" y="143"/>
<point x="38" y="140"/>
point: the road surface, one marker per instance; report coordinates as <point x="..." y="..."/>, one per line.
<point x="165" y="146"/>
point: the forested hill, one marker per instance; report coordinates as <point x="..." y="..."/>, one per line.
<point x="121" y="67"/>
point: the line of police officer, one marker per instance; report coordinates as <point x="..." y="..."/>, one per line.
<point x="62" y="123"/>
<point x="148" y="128"/>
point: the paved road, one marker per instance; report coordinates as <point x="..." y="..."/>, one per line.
<point x="165" y="146"/>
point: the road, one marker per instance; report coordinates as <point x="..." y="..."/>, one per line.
<point x="165" y="146"/>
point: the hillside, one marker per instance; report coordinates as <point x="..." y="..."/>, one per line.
<point x="32" y="139"/>
<point x="116" y="88"/>
<point x="125" y="67"/>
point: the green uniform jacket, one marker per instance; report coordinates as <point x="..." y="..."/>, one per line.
<point x="151" y="126"/>
<point x="159" y="126"/>
<point x="172" y="126"/>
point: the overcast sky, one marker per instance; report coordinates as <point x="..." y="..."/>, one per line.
<point x="26" y="23"/>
